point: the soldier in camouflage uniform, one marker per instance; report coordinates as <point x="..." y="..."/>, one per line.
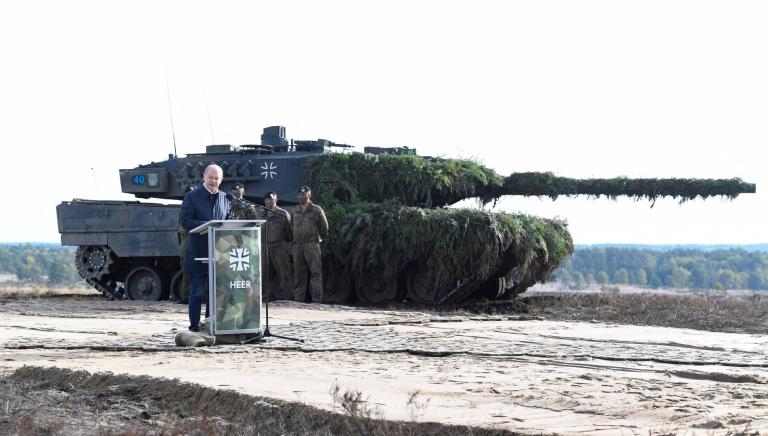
<point x="241" y="211"/>
<point x="278" y="235"/>
<point x="310" y="226"/>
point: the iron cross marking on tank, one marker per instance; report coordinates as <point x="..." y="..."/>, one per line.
<point x="269" y="170"/>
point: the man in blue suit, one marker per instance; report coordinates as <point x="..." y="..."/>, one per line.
<point x="200" y="206"/>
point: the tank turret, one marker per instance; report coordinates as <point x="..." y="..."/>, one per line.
<point x="275" y="165"/>
<point x="391" y="238"/>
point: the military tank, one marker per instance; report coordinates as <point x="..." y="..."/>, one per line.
<point x="392" y="237"/>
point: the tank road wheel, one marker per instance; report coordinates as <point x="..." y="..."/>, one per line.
<point x="429" y="286"/>
<point x="178" y="292"/>
<point x="376" y="292"/>
<point x="421" y="285"/>
<point x="336" y="290"/>
<point x="144" y="283"/>
<point x="93" y="261"/>
<point x="337" y="284"/>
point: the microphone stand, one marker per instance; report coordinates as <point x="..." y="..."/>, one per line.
<point x="266" y="332"/>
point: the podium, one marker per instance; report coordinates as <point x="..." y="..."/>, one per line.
<point x="234" y="276"/>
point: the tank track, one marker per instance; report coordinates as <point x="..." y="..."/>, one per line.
<point x="93" y="262"/>
<point x="109" y="288"/>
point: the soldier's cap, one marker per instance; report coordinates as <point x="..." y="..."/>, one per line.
<point x="270" y="194"/>
<point x="238" y="187"/>
<point x="303" y="189"/>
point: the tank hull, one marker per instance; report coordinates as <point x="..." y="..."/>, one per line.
<point x="376" y="253"/>
<point x="126" y="249"/>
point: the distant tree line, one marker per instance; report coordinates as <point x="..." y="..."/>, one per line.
<point x="44" y="264"/>
<point x="733" y="268"/>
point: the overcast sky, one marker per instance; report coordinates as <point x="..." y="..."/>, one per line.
<point x="579" y="88"/>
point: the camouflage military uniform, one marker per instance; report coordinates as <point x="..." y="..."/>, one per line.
<point x="279" y="234"/>
<point x="242" y="212"/>
<point x="309" y="227"/>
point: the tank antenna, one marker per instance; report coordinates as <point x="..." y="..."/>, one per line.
<point x="170" y="109"/>
<point x="208" y="109"/>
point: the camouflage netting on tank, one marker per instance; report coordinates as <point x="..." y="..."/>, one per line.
<point x="547" y="184"/>
<point x="388" y="251"/>
<point x="381" y="248"/>
<point x="413" y="180"/>
<point x="426" y="182"/>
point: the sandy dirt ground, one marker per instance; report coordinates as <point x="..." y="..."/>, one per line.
<point x="509" y="372"/>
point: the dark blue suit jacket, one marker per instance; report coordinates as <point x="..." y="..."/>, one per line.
<point x="196" y="209"/>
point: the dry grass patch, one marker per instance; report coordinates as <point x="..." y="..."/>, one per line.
<point x="31" y="290"/>
<point x="37" y="400"/>
<point x="748" y="314"/>
<point x="700" y="312"/>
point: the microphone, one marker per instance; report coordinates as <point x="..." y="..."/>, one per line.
<point x="240" y="201"/>
<point x="231" y="198"/>
<point x="246" y="203"/>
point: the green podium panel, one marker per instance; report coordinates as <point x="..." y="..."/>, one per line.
<point x="235" y="280"/>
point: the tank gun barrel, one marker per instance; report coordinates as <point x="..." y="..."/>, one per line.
<point x="547" y="184"/>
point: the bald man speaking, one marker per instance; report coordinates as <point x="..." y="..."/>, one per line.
<point x="200" y="206"/>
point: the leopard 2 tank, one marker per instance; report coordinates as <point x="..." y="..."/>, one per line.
<point x="392" y="236"/>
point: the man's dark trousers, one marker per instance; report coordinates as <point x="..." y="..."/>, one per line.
<point x="197" y="294"/>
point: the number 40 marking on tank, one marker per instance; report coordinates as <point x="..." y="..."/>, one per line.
<point x="269" y="170"/>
